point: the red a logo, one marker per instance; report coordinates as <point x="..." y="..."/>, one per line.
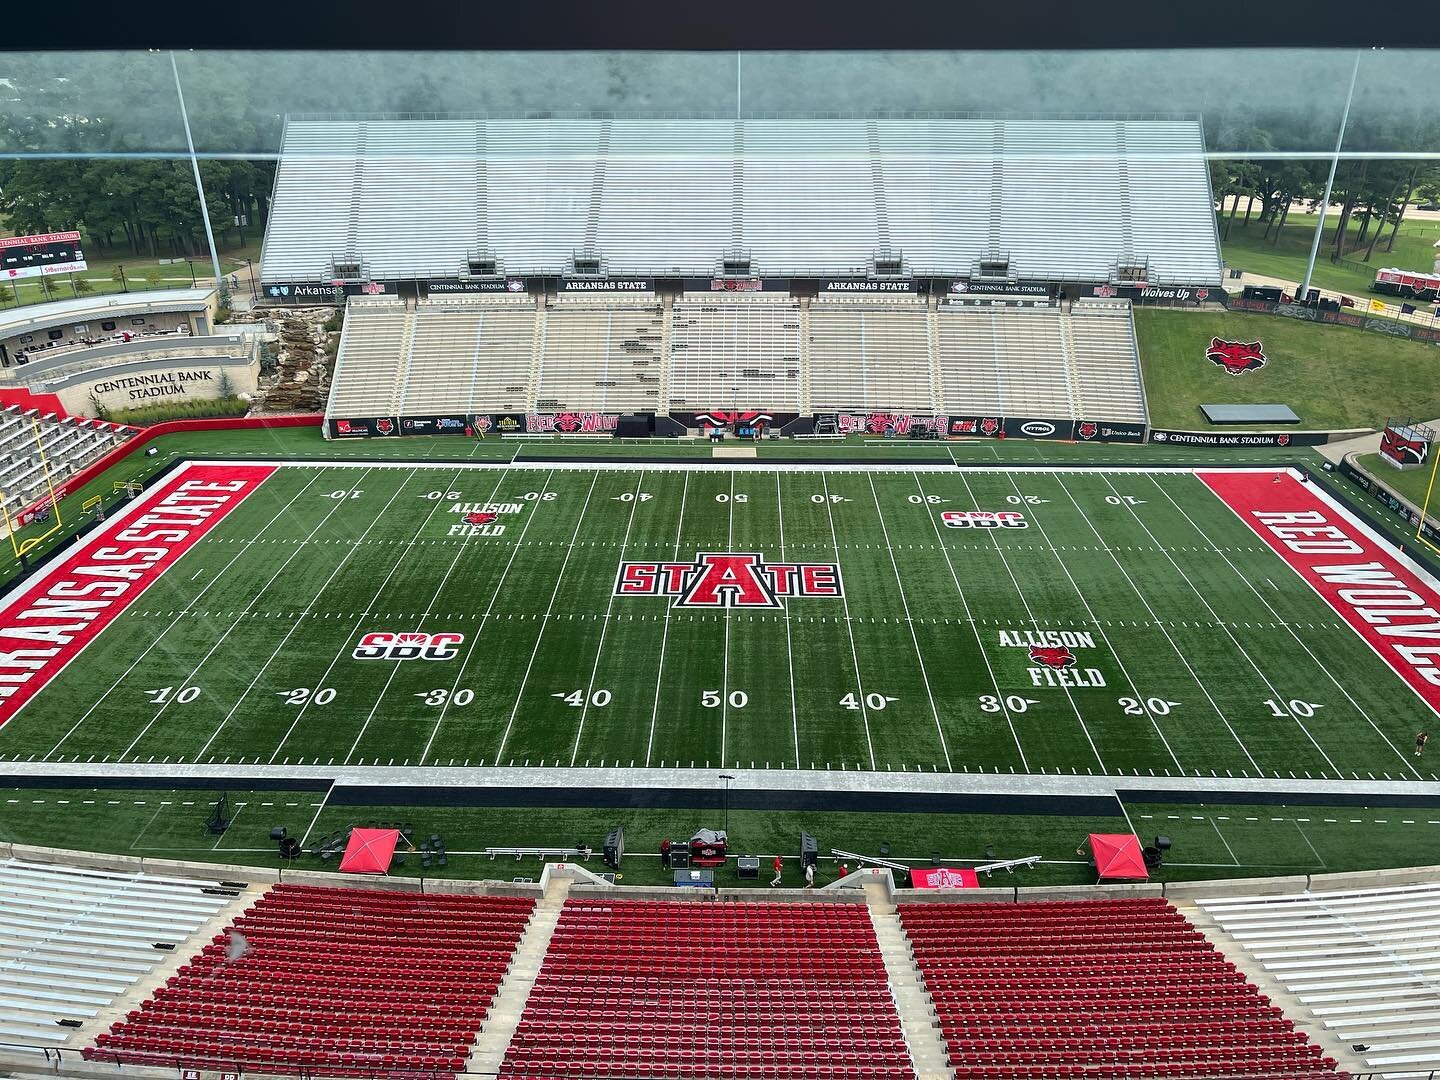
<point x="727" y="580"/>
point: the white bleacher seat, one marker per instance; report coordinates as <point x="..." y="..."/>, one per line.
<point x="72" y="940"/>
<point x="367" y="374"/>
<point x="1365" y="962"/>
<point x="735" y="354"/>
<point x="600" y="355"/>
<point x="870" y="355"/>
<point x="469" y="356"/>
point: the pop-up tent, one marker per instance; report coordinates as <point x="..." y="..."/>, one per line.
<point x="1118" y="857"/>
<point x="369" y="851"/>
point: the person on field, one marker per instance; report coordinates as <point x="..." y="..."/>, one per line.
<point x="1420" y="741"/>
<point x="809" y="875"/>
<point x="779" y="867"/>
<point x="844" y="869"/>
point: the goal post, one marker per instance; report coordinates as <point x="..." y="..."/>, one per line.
<point x="1427" y="528"/>
<point x="50" y="507"/>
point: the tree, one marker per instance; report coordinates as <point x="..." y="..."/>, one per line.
<point x="152" y="278"/>
<point x="82" y="287"/>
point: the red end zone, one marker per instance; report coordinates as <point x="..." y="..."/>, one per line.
<point x="1384" y="601"/>
<point x="48" y="621"/>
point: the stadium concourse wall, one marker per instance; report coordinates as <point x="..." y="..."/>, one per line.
<point x="585" y="883"/>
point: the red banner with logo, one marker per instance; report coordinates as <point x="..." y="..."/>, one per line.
<point x="943" y="877"/>
<point x="1389" y="605"/>
<point x="46" y="622"/>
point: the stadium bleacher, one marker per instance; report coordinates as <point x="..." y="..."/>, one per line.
<point x="600" y="355"/>
<point x="776" y="353"/>
<point x="1096" y="989"/>
<point x="328" y="981"/>
<point x="1362" y="961"/>
<point x="870" y="356"/>
<point x="67" y="445"/>
<point x="74" y="940"/>
<point x="735" y="354"/>
<point x="633" y="988"/>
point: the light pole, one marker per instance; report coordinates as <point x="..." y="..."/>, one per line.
<point x="191" y="265"/>
<point x="124" y="285"/>
<point x="199" y="187"/>
<point x="1329" y="183"/>
<point x="727" y="778"/>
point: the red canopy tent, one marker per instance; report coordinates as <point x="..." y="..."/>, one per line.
<point x="1118" y="857"/>
<point x="369" y="851"/>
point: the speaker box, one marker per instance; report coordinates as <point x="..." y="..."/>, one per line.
<point x="277" y="833"/>
<point x="614" y="847"/>
<point x="1162" y="843"/>
<point x="679" y="858"/>
<point x="809" y="850"/>
<point x="747" y="866"/>
<point x="289" y="848"/>
<point x="1152" y="857"/>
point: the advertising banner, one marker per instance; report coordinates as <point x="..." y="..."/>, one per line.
<point x="325" y="292"/>
<point x="585" y="423"/>
<point x="881" y="423"/>
<point x="1239" y="438"/>
<point x="988" y="426"/>
<point x="439" y="288"/>
<point x="450" y="424"/>
<point x="1105" y="431"/>
<point x="362" y="427"/>
<point x="943" y="877"/>
<point x="842" y="286"/>
<point x="1036" y="427"/>
<point x="966" y="287"/>
<point x="604" y="285"/>
<point x="1157" y="294"/>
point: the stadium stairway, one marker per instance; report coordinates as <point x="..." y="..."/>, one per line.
<point x="488" y="1052"/>
<point x="912" y="1001"/>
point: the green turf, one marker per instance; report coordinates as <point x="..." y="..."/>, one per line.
<point x="1185" y="606"/>
<point x="1334" y="377"/>
<point x="1216" y="841"/>
<point x="1247" y="249"/>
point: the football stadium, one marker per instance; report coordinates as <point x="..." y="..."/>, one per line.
<point x="604" y="594"/>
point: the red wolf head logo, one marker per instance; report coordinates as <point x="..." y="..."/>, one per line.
<point x="384" y="426"/>
<point x="1088" y="429"/>
<point x="480" y="517"/>
<point x="989" y="425"/>
<point x="1407" y="451"/>
<point x="1236" y="357"/>
<point x="1056" y="656"/>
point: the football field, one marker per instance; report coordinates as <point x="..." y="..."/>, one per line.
<point x="979" y="620"/>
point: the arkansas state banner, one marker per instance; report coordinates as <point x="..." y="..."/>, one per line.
<point x="943" y="877"/>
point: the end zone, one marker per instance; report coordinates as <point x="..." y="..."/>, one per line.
<point x="46" y="622"/>
<point x="1392" y="604"/>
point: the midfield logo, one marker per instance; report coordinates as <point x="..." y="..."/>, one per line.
<point x="382" y="645"/>
<point x="728" y="580"/>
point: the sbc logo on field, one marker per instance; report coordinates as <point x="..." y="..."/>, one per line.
<point x="984" y="519"/>
<point x="382" y="645"/>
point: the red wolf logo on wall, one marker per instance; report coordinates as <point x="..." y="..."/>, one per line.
<point x="1405" y="450"/>
<point x="1236" y="357"/>
<point x="728" y="580"/>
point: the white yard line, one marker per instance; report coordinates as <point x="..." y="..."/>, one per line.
<point x="298" y="548"/>
<point x="439" y="591"/>
<point x="1328" y="674"/>
<point x="1090" y="614"/>
<point x="725" y="614"/>
<point x="318" y="811"/>
<point x="665" y="632"/>
<point x="345" y="644"/>
<point x="789" y="649"/>
<point x="605" y="626"/>
<point x="1155" y="619"/>
<point x="485" y="618"/>
<point x="540" y="637"/>
<point x="300" y="621"/>
<point x="1215" y="617"/>
<point x="905" y="606"/>
<point x="1223" y="840"/>
<point x="975" y="626"/>
<point x="999" y="550"/>
<point x="849" y="628"/>
<point x="248" y="544"/>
